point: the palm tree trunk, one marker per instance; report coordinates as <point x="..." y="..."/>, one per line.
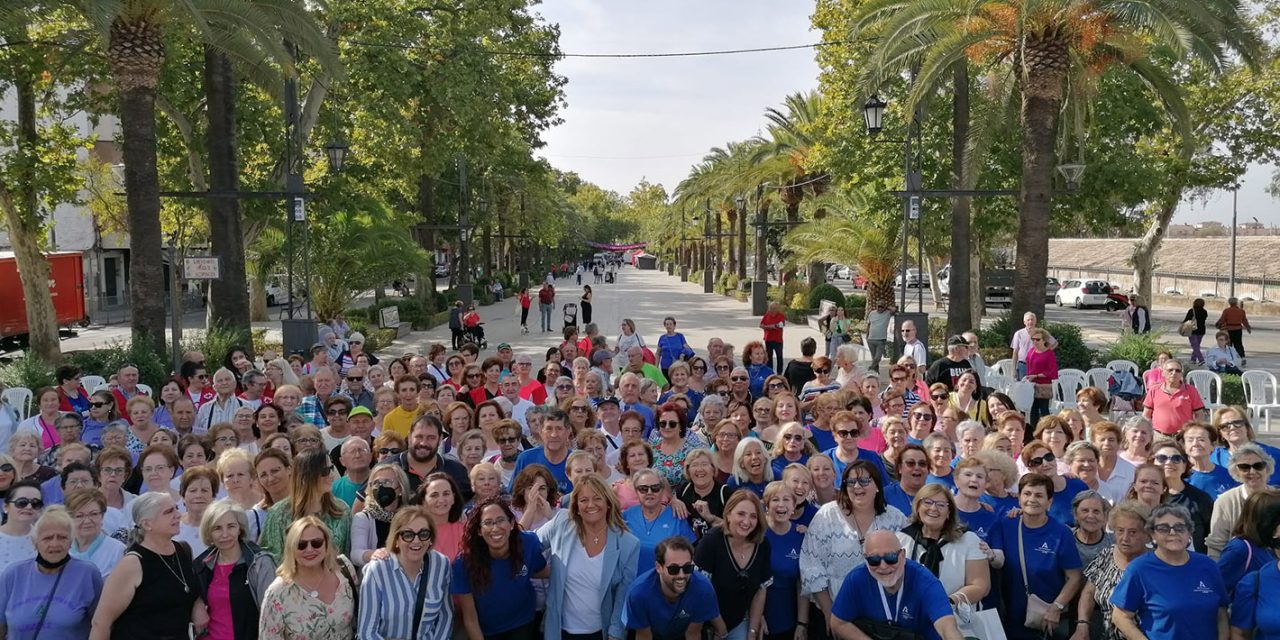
<point x="228" y="294"/>
<point x="142" y="196"/>
<point x="1041" y="104"/>
<point x="426" y="237"/>
<point x="958" y="308"/>
<point x="742" y="244"/>
<point x="732" y="256"/>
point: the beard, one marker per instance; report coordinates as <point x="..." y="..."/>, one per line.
<point x="886" y="582"/>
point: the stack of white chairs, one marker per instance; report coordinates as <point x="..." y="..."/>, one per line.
<point x="1261" y="396"/>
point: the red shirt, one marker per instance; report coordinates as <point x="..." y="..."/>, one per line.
<point x="772" y="333"/>
<point x="1170" y="410"/>
<point x="534" y="392"/>
<point x="546" y="295"/>
<point x="524" y="300"/>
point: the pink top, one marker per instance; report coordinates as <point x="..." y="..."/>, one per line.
<point x="220" y="625"/>
<point x="1043" y="363"/>
<point x="874" y="440"/>
<point x="449" y="539"/>
<point x="627" y="496"/>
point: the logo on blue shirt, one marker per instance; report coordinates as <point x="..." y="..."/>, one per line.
<point x="1203" y="588"/>
<point x="682" y="614"/>
<point x="793" y="554"/>
<point x="906" y="613"/>
<point x="1044" y="548"/>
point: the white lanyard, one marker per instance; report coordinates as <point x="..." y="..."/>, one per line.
<point x="897" y="603"/>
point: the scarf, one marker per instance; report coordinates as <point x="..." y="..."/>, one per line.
<point x="376" y="511"/>
<point x="931" y="554"/>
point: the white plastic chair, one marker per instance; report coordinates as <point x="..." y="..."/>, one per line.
<point x="1068" y="383"/>
<point x="999" y="382"/>
<point x="1006" y="367"/>
<point x="145" y="389"/>
<point x="1125" y="365"/>
<point x="1260" y="395"/>
<point x="92" y="383"/>
<point x="1209" y="385"/>
<point x="1099" y="377"/>
<point x="1023" y="394"/>
<point x="20" y="399"/>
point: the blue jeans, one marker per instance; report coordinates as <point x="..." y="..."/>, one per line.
<point x="545" y="310"/>
<point x="739" y="632"/>
<point x="1022" y="371"/>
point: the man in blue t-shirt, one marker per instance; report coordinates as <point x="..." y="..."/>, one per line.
<point x="893" y="589"/>
<point x="671" y="600"/>
<point x="554" y="451"/>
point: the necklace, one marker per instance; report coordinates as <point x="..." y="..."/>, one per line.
<point x="176" y="573"/>
<point x="314" y="593"/>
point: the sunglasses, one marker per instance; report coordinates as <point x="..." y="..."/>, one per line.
<point x="421" y="534"/>
<point x="777" y="385"/>
<point x="922" y="416"/>
<point x="99" y="405"/>
<point x="507" y="440"/>
<point x="1234" y="424"/>
<point x="564" y="387"/>
<point x="891" y="558"/>
<point x="388" y="451"/>
<point x="1245" y="467"/>
<point x="914" y="464"/>
<point x="355" y="378"/>
<point x="474" y="375"/>
<point x="702" y="369"/>
<point x="7" y="468"/>
<point x="677" y="569"/>
<point x="315" y="543"/>
<point x="1048" y="457"/>
<point x="847" y="433"/>
<point x="822" y="370"/>
<point x="23" y="503"/>
<point x="721" y="367"/>
<point x="663" y="424"/>
<point x="1167" y="529"/>
<point x="793" y="437"/>
<point x="738" y="379"/>
<point x="648" y="488"/>
<point x="1176" y="458"/>
<point x="577" y="407"/>
<point x="939" y="396"/>
<point x="724" y="394"/>
<point x="861" y="481"/>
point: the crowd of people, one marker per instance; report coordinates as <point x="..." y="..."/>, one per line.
<point x="603" y="489"/>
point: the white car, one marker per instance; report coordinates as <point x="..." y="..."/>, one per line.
<point x="1083" y="293"/>
<point x="839" y="272"/>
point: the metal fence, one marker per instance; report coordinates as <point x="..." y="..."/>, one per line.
<point x="1190" y="284"/>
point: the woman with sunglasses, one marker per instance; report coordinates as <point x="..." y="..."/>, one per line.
<point x="833" y="543"/>
<point x="1199" y="440"/>
<point x="559" y="391"/>
<point x="102" y="411"/>
<point x="412" y="577"/>
<point x="314" y="593"/>
<point x="1037" y="457"/>
<point x="1172" y="459"/>
<point x="698" y="368"/>
<point x="310" y="495"/>
<point x="793" y="447"/>
<point x="493" y="576"/>
<point x="22" y="507"/>
<point x="1250" y="466"/>
<point x="651" y="521"/>
<point x="1233" y="425"/>
<point x="673" y="443"/>
<point x="1155" y="598"/>
<point x="384" y="497"/>
<point x="920" y="422"/>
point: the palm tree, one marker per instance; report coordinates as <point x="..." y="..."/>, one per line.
<point x="249" y="31"/>
<point x="1051" y="50"/>
<point x="845" y="237"/>
<point x="724" y="175"/>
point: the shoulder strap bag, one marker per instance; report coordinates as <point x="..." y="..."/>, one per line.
<point x="1036" y="608"/>
<point x="422" y="596"/>
<point x="44" y="608"/>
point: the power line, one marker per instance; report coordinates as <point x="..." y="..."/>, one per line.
<point x="547" y="54"/>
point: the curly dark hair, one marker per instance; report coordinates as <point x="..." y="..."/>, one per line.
<point x="475" y="550"/>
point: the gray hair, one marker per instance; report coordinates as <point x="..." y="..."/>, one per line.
<point x="54" y="515"/>
<point x="847" y="352"/>
<point x="967" y="426"/>
<point x="1088" y="494"/>
<point x="1175" y="510"/>
<point x="737" y="460"/>
<point x="937" y="437"/>
<point x="647" y="384"/>
<point x="145" y="507"/>
<point x="1076" y="447"/>
<point x="1250" y="448"/>
<point x="711" y="400"/>
<point x="215" y="512"/>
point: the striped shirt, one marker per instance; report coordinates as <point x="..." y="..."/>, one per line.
<point x="388" y="597"/>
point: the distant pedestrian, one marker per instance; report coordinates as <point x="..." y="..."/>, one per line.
<point x="1199" y="316"/>
<point x="772" y="323"/>
<point x="525" y="300"/>
<point x="1234" y="321"/>
<point x="586" y="304"/>
<point x="455" y="323"/>
<point x="546" y="302"/>
<point x="878" y="322"/>
<point x="1139" y="316"/>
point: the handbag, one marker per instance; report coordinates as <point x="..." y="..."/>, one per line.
<point x="648" y="353"/>
<point x="1036" y="607"/>
<point x="1187" y="328"/>
<point x="976" y="622"/>
<point x="1043" y="391"/>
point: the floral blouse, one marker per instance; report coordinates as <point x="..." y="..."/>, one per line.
<point x="289" y="611"/>
<point x="672" y="466"/>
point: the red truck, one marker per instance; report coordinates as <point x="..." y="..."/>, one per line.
<point x="66" y="282"/>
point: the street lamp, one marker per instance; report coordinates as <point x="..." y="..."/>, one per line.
<point x="337" y="153"/>
<point x="1071" y="172"/>
<point x="873" y="114"/>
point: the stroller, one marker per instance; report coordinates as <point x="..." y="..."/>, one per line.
<point x="473" y="329"/>
<point x="608" y="277"/>
<point x="571" y="314"/>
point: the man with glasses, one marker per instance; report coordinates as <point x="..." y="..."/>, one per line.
<point x="355" y="389"/>
<point x="891" y="591"/>
<point x="356" y="460"/>
<point x="947" y="370"/>
<point x="911" y="344"/>
<point x="673" y="600"/>
<point x="900" y="381"/>
<point x="878" y="322"/>
<point x="1174" y="403"/>
<point x="553" y="452"/>
<point x="254" y="383"/>
<point x="602" y="367"/>
<point x="312" y="409"/>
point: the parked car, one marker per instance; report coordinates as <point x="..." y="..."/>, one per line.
<point x="442" y="270"/>
<point x="1083" y="293"/>
<point x="1051" y="286"/>
<point x="914" y="279"/>
<point x="839" y="272"/>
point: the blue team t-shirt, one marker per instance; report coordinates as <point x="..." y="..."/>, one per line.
<point x="1050" y="551"/>
<point x="980" y="522"/>
<point x="1256" y="605"/>
<point x="537" y="455"/>
<point x="780" y="463"/>
<point x="947" y="481"/>
<point x="1002" y="505"/>
<point x="923" y="600"/>
<point x="895" y="495"/>
<point x="651" y="532"/>
<point x="1172" y="602"/>
<point x="1240" y="558"/>
<point x="807" y="512"/>
<point x="1060" y="508"/>
<point x="863" y="454"/>
<point x="754" y="487"/>
<point x="647" y="608"/>
<point x="1215" y="482"/>
<point x="784" y="560"/>
<point x="508" y="601"/>
<point x="823" y="440"/>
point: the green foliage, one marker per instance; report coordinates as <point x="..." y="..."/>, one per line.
<point x="999" y="334"/>
<point x="1072" y="353"/>
<point x="151" y="363"/>
<point x="825" y="291"/>
<point x="794" y="287"/>
<point x="799" y="301"/>
<point x="31" y="373"/>
<point x="215" y="343"/>
<point x="855" y="305"/>
<point x="1139" y="348"/>
<point x="1232" y="390"/>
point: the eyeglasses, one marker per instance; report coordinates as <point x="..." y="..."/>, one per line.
<point x="861" y="481"/>
<point x="23" y="503"/>
<point x="663" y="424"/>
<point x="1167" y="529"/>
<point x="939" y="396"/>
<point x="99" y="405"/>
<point x="1047" y="457"/>
<point x="226" y="440"/>
<point x="723" y="367"/>
<point x="474" y="375"/>
<point x="922" y="416"/>
<point x="1234" y="424"/>
<point x="578" y="407"/>
<point x="847" y="433"/>
<point x="335" y="412"/>
<point x="764" y="410"/>
<point x="496" y="522"/>
<point x="777" y="385"/>
<point x="1176" y="458"/>
<point x="929" y="503"/>
<point x="698" y="368"/>
<point x="423" y="535"/>
<point x="677" y="569"/>
<point x="307" y="440"/>
<point x="388" y="451"/>
<point x="738" y="379"/>
<point x="315" y="543"/>
<point x="648" y="488"/>
<point x="156" y="469"/>
<point x="507" y="440"/>
<point x="793" y="437"/>
<point x="563" y="387"/>
<point x="1245" y="467"/>
<point x="355" y="378"/>
<point x="891" y="558"/>
<point x="913" y="464"/>
<point x="106" y="471"/>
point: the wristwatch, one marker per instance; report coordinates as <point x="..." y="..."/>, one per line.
<point x="1059" y="605"/>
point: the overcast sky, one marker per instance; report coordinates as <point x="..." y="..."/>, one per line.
<point x="629" y="119"/>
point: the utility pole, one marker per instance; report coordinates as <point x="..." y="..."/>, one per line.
<point x="1235" y="197"/>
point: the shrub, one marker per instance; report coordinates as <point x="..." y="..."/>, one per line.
<point x="855" y="305"/>
<point x="152" y="366"/>
<point x="793" y="288"/>
<point x="215" y="343"/>
<point x="1072" y="353"/>
<point x="1137" y="348"/>
<point x="799" y="302"/>
<point x="1232" y="390"/>
<point x="825" y="292"/>
<point x="30" y="372"/>
<point x="1000" y="333"/>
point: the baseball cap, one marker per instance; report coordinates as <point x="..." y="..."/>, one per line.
<point x="608" y="400"/>
<point x="504" y="345"/>
<point x="600" y="356"/>
<point x="359" y="410"/>
<point x="957" y="341"/>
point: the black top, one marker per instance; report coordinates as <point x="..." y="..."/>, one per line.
<point x="447" y="465"/>
<point x="735" y="586"/>
<point x="797" y="374"/>
<point x="947" y="371"/>
<point x="1201" y="507"/>
<point x="1200" y="316"/>
<point x="161" y="606"/>
<point x="715" y="504"/>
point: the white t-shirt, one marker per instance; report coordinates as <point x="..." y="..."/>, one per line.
<point x="191" y="535"/>
<point x="14" y="549"/>
<point x="582" y="614"/>
<point x="954" y="555"/>
<point x="106" y="555"/>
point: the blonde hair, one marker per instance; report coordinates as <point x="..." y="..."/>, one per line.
<point x="401" y="521"/>
<point x="289" y="555"/>
<point x="952" y="527"/>
<point x="55" y="515"/>
<point x="287" y="376"/>
<point x="613" y="515"/>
